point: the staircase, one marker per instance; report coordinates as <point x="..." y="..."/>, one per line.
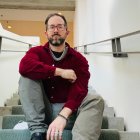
<point x="12" y="113"/>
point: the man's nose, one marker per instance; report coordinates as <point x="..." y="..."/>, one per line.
<point x="56" y="29"/>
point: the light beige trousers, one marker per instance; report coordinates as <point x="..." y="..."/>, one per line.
<point x="39" y="111"/>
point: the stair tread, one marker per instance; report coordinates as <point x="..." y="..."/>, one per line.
<point x="126" y="135"/>
<point x="11" y="134"/>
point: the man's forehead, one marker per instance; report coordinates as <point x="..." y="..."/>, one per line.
<point x="55" y="20"/>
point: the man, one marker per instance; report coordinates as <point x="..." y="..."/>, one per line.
<point x="57" y="74"/>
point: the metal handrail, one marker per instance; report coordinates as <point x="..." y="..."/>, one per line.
<point x="119" y="36"/>
<point x="129" y="52"/>
<point x="14" y="38"/>
<point x="11" y="51"/>
<point x="116" y="45"/>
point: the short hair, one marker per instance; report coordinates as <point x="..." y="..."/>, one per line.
<point x="55" y="14"/>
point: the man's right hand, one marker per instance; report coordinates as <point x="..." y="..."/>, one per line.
<point x="66" y="74"/>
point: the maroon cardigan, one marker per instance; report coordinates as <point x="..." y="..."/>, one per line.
<point x="38" y="64"/>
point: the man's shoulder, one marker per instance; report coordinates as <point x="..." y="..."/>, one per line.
<point x="77" y="54"/>
<point x="39" y="48"/>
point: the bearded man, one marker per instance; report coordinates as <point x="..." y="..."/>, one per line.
<point x="56" y="75"/>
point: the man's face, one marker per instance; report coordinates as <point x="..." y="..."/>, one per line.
<point x="56" y="31"/>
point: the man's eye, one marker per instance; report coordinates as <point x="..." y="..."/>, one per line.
<point x="52" y="27"/>
<point x="59" y="27"/>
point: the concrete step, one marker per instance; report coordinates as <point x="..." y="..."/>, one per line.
<point x="11" y="110"/>
<point x="116" y="123"/>
<point x="9" y="134"/>
<point x="15" y="95"/>
<point x="11" y="102"/>
<point x="14" y="100"/>
<point x="1" y="119"/>
<point x="9" y="121"/>
<point x="6" y="110"/>
<point x="109" y="122"/>
<point x="125" y="135"/>
<point x="109" y="112"/>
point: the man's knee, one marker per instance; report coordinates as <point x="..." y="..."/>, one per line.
<point x="98" y="102"/>
<point x="25" y="83"/>
<point x="93" y="101"/>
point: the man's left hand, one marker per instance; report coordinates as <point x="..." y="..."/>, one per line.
<point x="56" y="128"/>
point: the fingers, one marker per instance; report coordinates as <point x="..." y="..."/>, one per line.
<point x="54" y="134"/>
<point x="69" y="74"/>
<point x="72" y="81"/>
<point x="74" y="77"/>
<point x="48" y="134"/>
<point x="60" y="135"/>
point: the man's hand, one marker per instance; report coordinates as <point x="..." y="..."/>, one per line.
<point x="66" y="74"/>
<point x="69" y="74"/>
<point x="56" y="128"/>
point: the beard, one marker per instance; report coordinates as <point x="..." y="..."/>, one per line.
<point x="56" y="42"/>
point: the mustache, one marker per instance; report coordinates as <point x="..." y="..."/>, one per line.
<point x="55" y="35"/>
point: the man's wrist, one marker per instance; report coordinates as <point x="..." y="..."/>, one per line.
<point x="66" y="112"/>
<point x="60" y="115"/>
<point x="58" y="72"/>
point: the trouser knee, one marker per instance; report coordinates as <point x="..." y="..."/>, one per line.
<point x="27" y="83"/>
<point x="93" y="101"/>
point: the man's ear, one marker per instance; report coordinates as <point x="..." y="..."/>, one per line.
<point x="46" y="33"/>
<point x="67" y="32"/>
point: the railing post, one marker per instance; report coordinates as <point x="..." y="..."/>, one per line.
<point x="75" y="48"/>
<point x="118" y="44"/>
<point x="0" y="43"/>
<point x="85" y="49"/>
<point x="30" y="46"/>
<point x="116" y="48"/>
<point x="113" y="47"/>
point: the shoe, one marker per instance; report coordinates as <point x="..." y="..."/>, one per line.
<point x="38" y="136"/>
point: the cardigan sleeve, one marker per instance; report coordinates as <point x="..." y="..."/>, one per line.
<point x="79" y="89"/>
<point x="31" y="66"/>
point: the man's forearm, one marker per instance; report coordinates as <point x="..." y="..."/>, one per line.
<point x="58" y="72"/>
<point x="66" y="112"/>
<point x="66" y="74"/>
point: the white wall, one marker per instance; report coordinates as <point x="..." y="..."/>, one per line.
<point x="9" y="63"/>
<point x="8" y="75"/>
<point x="100" y="20"/>
<point x="116" y="79"/>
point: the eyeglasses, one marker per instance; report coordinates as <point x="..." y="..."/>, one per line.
<point x="60" y="27"/>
